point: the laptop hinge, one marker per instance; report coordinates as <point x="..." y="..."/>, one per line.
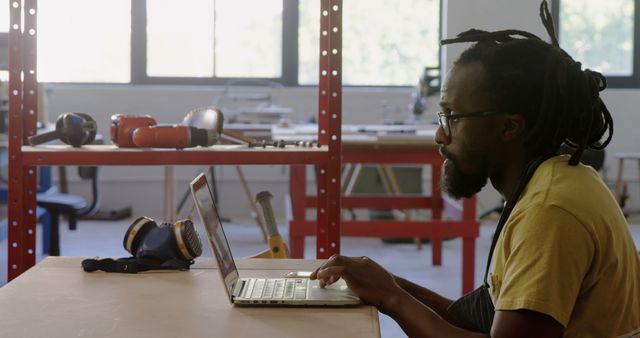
<point x="237" y="288"/>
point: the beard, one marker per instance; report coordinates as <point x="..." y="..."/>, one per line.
<point x="458" y="184"/>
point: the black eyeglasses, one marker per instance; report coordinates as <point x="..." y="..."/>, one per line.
<point x="445" y="119"/>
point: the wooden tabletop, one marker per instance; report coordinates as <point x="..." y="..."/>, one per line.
<point x="56" y="298"/>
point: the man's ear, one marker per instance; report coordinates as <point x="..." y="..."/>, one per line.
<point x="513" y="127"/>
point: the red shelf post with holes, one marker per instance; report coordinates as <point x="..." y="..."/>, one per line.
<point x="329" y="125"/>
<point x="23" y="106"/>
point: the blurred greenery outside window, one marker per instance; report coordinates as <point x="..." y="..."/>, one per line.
<point x="215" y="41"/>
<point x="602" y="35"/>
<point x="384" y="43"/>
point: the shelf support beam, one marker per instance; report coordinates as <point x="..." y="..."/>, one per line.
<point x="329" y="128"/>
<point x="23" y="114"/>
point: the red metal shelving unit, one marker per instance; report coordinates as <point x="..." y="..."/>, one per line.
<point x="23" y="160"/>
<point x="23" y="108"/>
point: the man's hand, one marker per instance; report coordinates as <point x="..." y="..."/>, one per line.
<point x="375" y="285"/>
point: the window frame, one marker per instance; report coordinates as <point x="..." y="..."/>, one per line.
<point x="631" y="81"/>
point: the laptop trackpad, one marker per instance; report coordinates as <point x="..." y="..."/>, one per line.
<point x="335" y="291"/>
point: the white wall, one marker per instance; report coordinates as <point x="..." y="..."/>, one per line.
<point x="142" y="186"/>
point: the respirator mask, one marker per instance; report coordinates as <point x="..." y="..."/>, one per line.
<point x="153" y="247"/>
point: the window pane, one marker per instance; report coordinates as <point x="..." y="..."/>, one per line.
<point x="599" y="34"/>
<point x="180" y="38"/>
<point x="4" y="16"/>
<point x="84" y="41"/>
<point x="248" y="38"/>
<point x="219" y="38"/>
<point x="308" y="41"/>
<point x="376" y="49"/>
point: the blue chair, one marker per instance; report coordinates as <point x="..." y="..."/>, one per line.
<point x="71" y="206"/>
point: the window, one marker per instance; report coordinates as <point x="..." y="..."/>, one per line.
<point x="215" y="41"/>
<point x="84" y="41"/>
<point x="377" y="50"/>
<point x="179" y="39"/>
<point x="4" y="42"/>
<point x="214" y="38"/>
<point x="602" y="35"/>
<point x="4" y="16"/>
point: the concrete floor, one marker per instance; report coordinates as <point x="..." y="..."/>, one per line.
<point x="101" y="238"/>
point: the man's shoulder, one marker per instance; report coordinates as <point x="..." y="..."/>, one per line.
<point x="556" y="173"/>
<point x="569" y="198"/>
<point x="575" y="189"/>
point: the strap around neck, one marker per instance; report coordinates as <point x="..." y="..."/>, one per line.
<point x="511" y="203"/>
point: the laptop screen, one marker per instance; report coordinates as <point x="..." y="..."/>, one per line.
<point x="211" y="221"/>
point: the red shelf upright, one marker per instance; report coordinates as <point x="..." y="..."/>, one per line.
<point x="329" y="128"/>
<point x="23" y="108"/>
<point x="23" y="117"/>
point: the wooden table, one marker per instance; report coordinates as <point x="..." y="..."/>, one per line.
<point x="56" y="298"/>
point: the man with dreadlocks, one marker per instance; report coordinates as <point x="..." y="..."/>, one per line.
<point x="563" y="260"/>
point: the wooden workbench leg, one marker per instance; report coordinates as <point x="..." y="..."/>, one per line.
<point x="468" y="263"/>
<point x="390" y="177"/>
<point x="436" y="212"/>
<point x="347" y="171"/>
<point x="436" y="192"/>
<point x="169" y="194"/>
<point x="619" y="180"/>
<point x="252" y="203"/>
<point x="639" y="170"/>
<point x="347" y="175"/>
<point x="298" y="193"/>
<point x="353" y="180"/>
<point x="436" y="251"/>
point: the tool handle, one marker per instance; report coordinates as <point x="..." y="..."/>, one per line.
<point x="277" y="247"/>
<point x="264" y="199"/>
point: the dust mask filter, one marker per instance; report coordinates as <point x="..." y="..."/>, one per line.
<point x="153" y="247"/>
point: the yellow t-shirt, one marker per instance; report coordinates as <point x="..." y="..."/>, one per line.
<point x="566" y="251"/>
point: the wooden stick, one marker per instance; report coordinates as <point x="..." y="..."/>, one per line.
<point x="395" y="186"/>
<point x="252" y="205"/>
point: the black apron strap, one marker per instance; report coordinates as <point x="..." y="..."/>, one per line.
<point x="510" y="204"/>
<point x="132" y="265"/>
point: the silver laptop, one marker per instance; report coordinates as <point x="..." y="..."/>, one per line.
<point x="260" y="291"/>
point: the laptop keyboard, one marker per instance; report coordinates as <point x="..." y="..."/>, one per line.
<point x="281" y="288"/>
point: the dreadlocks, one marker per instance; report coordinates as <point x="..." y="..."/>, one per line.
<point x="558" y="99"/>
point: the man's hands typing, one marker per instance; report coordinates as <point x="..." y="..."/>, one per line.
<point x="366" y="278"/>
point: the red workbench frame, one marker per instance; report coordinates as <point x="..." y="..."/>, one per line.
<point x="22" y="124"/>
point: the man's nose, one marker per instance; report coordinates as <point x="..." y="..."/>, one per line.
<point x="441" y="138"/>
